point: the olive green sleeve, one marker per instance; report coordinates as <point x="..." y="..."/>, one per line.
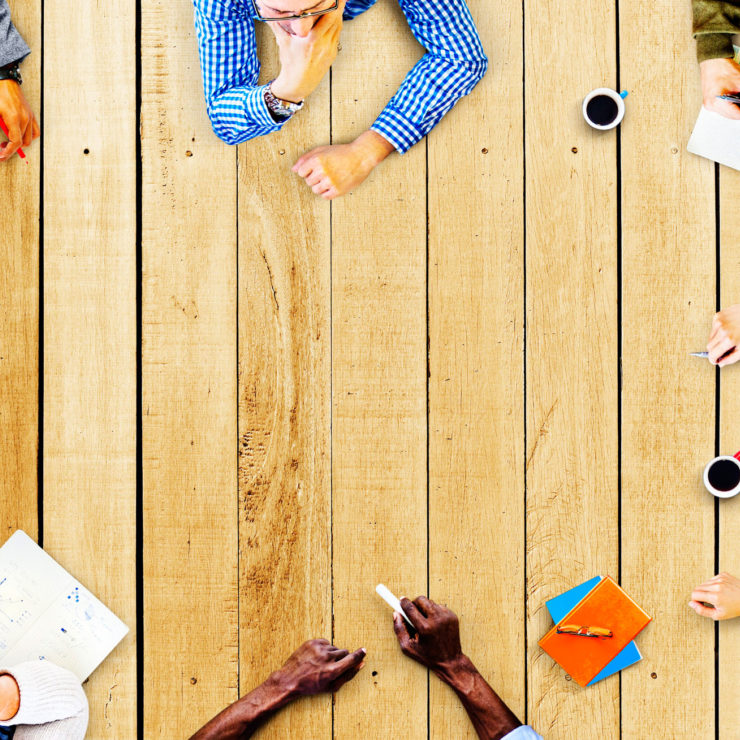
<point x="715" y="21"/>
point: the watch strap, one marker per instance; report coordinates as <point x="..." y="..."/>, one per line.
<point x="11" y="72"/>
<point x="281" y="110"/>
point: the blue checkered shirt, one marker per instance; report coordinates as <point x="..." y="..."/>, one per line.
<point x="452" y="66"/>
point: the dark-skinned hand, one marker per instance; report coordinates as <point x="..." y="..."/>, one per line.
<point x="436" y="643"/>
<point x="319" y="666"/>
<point x="18" y="117"/>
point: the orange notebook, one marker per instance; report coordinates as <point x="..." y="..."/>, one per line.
<point x="605" y="606"/>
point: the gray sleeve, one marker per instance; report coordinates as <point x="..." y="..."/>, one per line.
<point x="12" y="46"/>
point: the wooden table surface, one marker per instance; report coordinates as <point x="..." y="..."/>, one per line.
<point x="231" y="408"/>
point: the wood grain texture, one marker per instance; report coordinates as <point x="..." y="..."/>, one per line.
<point x="284" y="406"/>
<point x="19" y="297"/>
<point x="379" y="388"/>
<point x="572" y="360"/>
<point x="729" y="443"/>
<point x="189" y="371"/>
<point x="90" y="325"/>
<point x="285" y="370"/>
<point x="668" y="282"/>
<point x="476" y="405"/>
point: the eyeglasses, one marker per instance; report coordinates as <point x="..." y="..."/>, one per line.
<point x="297" y="16"/>
<point x="577" y="629"/>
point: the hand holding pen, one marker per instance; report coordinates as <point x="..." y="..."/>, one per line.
<point x="720" y="78"/>
<point x="723" y="347"/>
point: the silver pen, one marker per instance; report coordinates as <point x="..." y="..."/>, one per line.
<point x="706" y="354"/>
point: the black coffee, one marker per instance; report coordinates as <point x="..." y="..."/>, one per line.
<point x="602" y="110"/>
<point x="724" y="475"/>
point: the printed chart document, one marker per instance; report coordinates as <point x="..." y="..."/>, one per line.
<point x="716" y="137"/>
<point x="46" y="614"/>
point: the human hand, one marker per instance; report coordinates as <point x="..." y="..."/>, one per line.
<point x="10" y="697"/>
<point x="18" y="117"/>
<point x="331" y="171"/>
<point x="436" y="643"/>
<point x="722" y="592"/>
<point x="720" y="77"/>
<point x="305" y="57"/>
<point x="724" y="336"/>
<point x="318" y="666"/>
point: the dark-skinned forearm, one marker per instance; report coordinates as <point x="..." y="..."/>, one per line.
<point x="240" y="720"/>
<point x="491" y="718"/>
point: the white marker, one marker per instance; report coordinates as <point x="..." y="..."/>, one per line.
<point x="392" y="601"/>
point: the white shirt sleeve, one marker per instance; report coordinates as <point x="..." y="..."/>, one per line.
<point x="52" y="700"/>
<point x="525" y="732"/>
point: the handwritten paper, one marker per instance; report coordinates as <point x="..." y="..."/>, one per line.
<point x="45" y="614"/>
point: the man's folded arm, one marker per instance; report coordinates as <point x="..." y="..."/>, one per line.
<point x="12" y="46"/>
<point x="453" y="65"/>
<point x="715" y="22"/>
<point x="230" y="67"/>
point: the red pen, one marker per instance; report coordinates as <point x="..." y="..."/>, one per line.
<point x="21" y="154"/>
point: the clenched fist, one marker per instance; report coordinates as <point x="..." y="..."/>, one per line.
<point x="18" y="117"/>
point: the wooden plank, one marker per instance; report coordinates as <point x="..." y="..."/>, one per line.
<point x="729" y="511"/>
<point x="668" y="217"/>
<point x="284" y="406"/>
<point x="19" y="296"/>
<point x="90" y="324"/>
<point x="189" y="387"/>
<point x="379" y="388"/>
<point x="476" y="384"/>
<point x="572" y="383"/>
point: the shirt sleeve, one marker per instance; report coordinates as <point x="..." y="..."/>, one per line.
<point x="48" y="693"/>
<point x="12" y="46"/>
<point x="453" y="65"/>
<point x="230" y="67"/>
<point x="524" y="732"/>
<point x="715" y="21"/>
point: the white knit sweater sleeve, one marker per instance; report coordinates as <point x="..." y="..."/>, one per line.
<point x="53" y="704"/>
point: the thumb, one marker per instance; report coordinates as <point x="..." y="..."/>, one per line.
<point x="703" y="611"/>
<point x="344" y="678"/>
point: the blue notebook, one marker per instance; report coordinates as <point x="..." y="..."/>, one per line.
<point x="559" y="608"/>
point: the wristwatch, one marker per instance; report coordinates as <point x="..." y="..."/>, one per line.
<point x="281" y="110"/>
<point x="11" y="72"/>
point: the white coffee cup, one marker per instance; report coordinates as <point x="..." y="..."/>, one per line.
<point x="618" y="98"/>
<point x="718" y="492"/>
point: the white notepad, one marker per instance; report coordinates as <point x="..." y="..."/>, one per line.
<point x="716" y="137"/>
<point x="46" y="614"/>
